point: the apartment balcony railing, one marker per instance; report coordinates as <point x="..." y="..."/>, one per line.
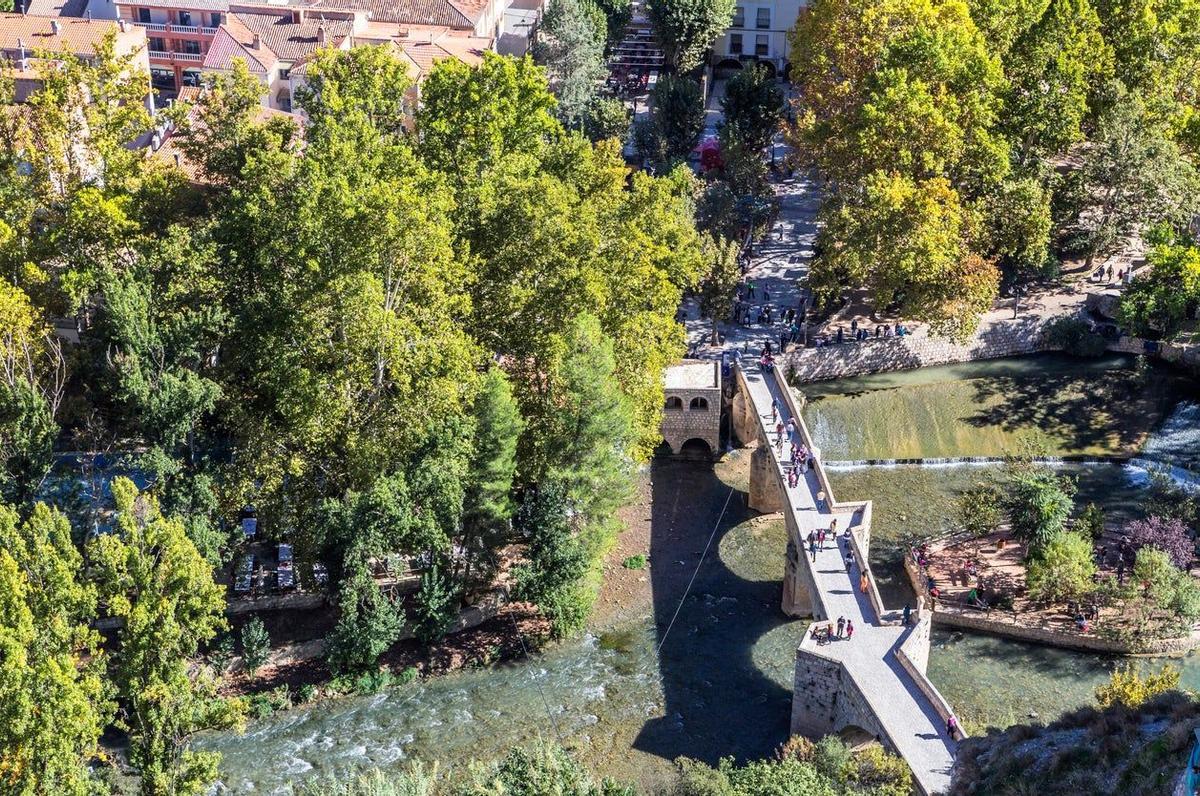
<point x="163" y="55"/>
<point x="208" y="31"/>
<point x="165" y="27"/>
<point x="156" y="26"/>
<point x="184" y="28"/>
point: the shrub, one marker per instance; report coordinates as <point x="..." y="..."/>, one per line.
<point x="882" y="774"/>
<point x="699" y="779"/>
<point x="1062" y="569"/>
<point x="635" y="562"/>
<point x="1166" y="534"/>
<point x="220" y="655"/>
<point x="1074" y="336"/>
<point x="408" y="675"/>
<point x="435" y="606"/>
<point x="306" y="693"/>
<point x="256" y="645"/>
<point x="1039" y="503"/>
<point x="1091" y="522"/>
<point x="833" y="758"/>
<point x="542" y="768"/>
<point x="263" y="705"/>
<point x="1127" y="687"/>
<point x="417" y="780"/>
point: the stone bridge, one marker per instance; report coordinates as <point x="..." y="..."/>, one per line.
<point x="876" y="681"/>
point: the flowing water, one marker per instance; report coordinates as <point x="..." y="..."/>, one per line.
<point x="721" y="682"/>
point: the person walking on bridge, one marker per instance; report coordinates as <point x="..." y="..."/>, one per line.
<point x="849" y="561"/>
<point x="849" y="629"/>
<point x="821" y="538"/>
<point x="812" y="549"/>
<point x="774" y="409"/>
<point x="862" y="582"/>
<point x="841" y="625"/>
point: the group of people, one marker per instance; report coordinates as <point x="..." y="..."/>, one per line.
<point x="826" y="634"/>
<point x="860" y="334"/>
<point x="1105" y="275"/>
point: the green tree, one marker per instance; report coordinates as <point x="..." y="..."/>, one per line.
<point x="981" y="509"/>
<point x="488" y="506"/>
<point x="150" y="576"/>
<point x="369" y="622"/>
<point x="256" y="645"/>
<point x="1127" y="686"/>
<point x="1039" y="503"/>
<point x="364" y="91"/>
<point x="472" y="118"/>
<point x="752" y="107"/>
<point x="687" y="28"/>
<point x="541" y="768"/>
<point x="1160" y="300"/>
<point x="1136" y="177"/>
<point x="435" y="606"/>
<point x="606" y="117"/>
<point x="557" y="560"/>
<point x="49" y="658"/>
<point x="1054" y="69"/>
<point x="719" y="284"/>
<point x="1019" y="224"/>
<point x="1091" y="522"/>
<point x="1062" y="569"/>
<point x="571" y="44"/>
<point x="588" y="450"/>
<point x="906" y="242"/>
<point x="675" y="123"/>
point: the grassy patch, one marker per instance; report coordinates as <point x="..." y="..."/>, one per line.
<point x="635" y="562"/>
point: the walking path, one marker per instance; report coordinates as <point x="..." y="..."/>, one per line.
<point x="910" y="718"/>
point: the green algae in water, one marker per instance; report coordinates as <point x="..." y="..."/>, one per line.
<point x="755" y="550"/>
<point x="1098" y="407"/>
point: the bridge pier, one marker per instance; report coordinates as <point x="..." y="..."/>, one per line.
<point x="797" y="599"/>
<point x="766" y="493"/>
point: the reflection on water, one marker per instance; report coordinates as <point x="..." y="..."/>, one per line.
<point x="1095" y="407"/>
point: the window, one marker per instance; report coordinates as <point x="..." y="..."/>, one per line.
<point x="699" y="405"/>
<point x="185" y="18"/>
<point x="158" y="45"/>
<point x="216" y="19"/>
<point x="191" y="77"/>
<point x="144" y="15"/>
<point x="761" y="47"/>
<point x="162" y="78"/>
<point x="192" y="47"/>
<point x="739" y="17"/>
<point x="763" y="20"/>
<point x="735" y="44"/>
<point x="674" y="404"/>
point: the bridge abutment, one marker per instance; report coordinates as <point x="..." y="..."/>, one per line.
<point x="766" y="493"/>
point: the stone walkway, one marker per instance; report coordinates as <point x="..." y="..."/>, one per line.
<point x="909" y="717"/>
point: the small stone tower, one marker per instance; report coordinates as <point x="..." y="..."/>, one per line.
<point x="692" y="413"/>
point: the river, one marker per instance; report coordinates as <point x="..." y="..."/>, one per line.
<point x="721" y="682"/>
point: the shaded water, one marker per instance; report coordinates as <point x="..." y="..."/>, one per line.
<point x="1103" y="406"/>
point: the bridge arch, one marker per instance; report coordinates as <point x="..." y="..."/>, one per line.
<point x="696" y="448"/>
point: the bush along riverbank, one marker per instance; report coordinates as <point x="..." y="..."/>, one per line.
<point x="801" y="768"/>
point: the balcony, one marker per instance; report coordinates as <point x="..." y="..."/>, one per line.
<point x="156" y="26"/>
<point x="208" y="31"/>
<point x="193" y="29"/>
<point x="162" y="55"/>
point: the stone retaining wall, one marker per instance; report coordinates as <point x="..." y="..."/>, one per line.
<point x="825" y="699"/>
<point x="879" y="355"/>
<point x="913" y="655"/>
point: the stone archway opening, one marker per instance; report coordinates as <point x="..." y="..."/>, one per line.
<point x="696" y="449"/>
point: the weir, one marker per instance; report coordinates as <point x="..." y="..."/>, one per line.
<point x="876" y="680"/>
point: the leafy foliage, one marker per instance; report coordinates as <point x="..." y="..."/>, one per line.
<point x="752" y="107"/>
<point x="1039" y="503"/>
<point x="687" y="28"/>
<point x="1128" y="687"/>
<point x="1062" y="569"/>
<point x="981" y="509"/>
<point x="256" y="645"/>
<point x="1158" y="301"/>
<point x="1169" y="535"/>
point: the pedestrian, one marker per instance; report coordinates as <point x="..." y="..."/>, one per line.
<point x="812" y="536"/>
<point x="1110" y="272"/>
<point x="791" y="427"/>
<point x="774" y="405"/>
<point x="812" y="549"/>
<point x="778" y="430"/>
<point x="907" y="613"/>
<point x="750" y="290"/>
<point x="821" y="538"/>
<point x="862" y="582"/>
<point x="849" y="629"/>
<point x="833" y="528"/>
<point x="952" y="728"/>
<point x="849" y="561"/>
<point x="841" y="626"/>
<point x="854" y="325"/>
<point x="820" y="495"/>
<point x="839" y="335"/>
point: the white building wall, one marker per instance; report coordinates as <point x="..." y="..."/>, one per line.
<point x="759" y="32"/>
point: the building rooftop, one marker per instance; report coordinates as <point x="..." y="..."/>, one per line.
<point x="65" y="34"/>
<point x="292" y="41"/>
<point x="56" y="8"/>
<point x="693" y="375"/>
